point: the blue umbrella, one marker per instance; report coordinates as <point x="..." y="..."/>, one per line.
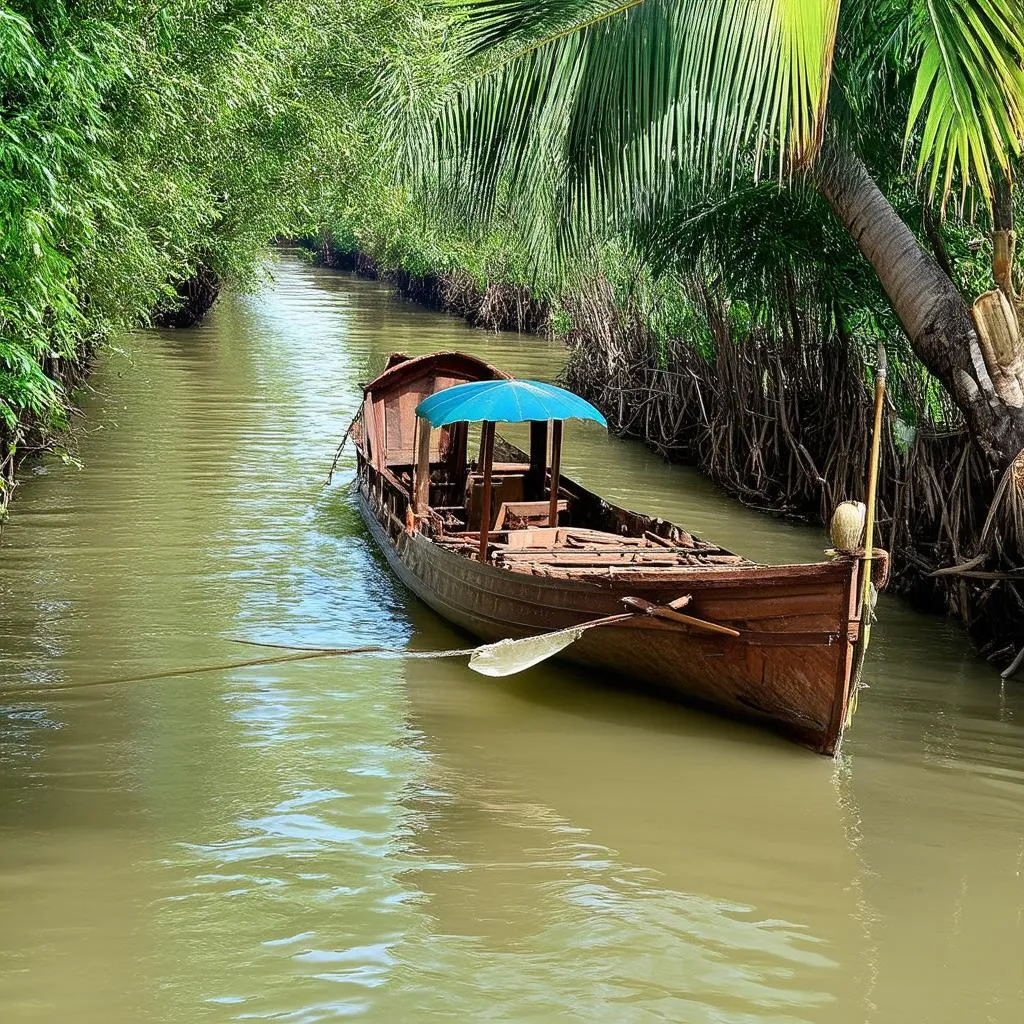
<point x="505" y="401"/>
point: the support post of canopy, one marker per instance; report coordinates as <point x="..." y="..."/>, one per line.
<point x="487" y="455"/>
<point x="457" y="455"/>
<point x="538" y="459"/>
<point x="556" y="469"/>
<point x="421" y="486"/>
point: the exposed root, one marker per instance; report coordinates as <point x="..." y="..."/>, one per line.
<point x="783" y="423"/>
<point x="195" y="297"/>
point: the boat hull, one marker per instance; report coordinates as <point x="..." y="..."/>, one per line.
<point x="789" y="670"/>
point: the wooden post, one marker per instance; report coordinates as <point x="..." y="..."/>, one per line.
<point x="457" y="455"/>
<point x="487" y="455"/>
<point x="538" y="460"/>
<point x="421" y="488"/>
<point x="872" y="496"/>
<point x="556" y="469"/>
<point x="864" y="635"/>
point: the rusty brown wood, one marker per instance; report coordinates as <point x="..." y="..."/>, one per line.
<point x="789" y="668"/>
<point x="661" y="541"/>
<point x="556" y="469"/>
<point x="487" y="456"/>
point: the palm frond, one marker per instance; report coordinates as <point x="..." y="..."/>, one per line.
<point x="968" y="101"/>
<point x="624" y="102"/>
<point x="525" y="24"/>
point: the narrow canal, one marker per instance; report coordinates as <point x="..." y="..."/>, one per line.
<point x="403" y="840"/>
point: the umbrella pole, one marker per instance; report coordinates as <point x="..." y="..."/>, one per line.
<point x="556" y="469"/>
<point x="487" y="451"/>
<point x="538" y="460"/>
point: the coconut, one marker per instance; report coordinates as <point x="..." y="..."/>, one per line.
<point x="848" y="526"/>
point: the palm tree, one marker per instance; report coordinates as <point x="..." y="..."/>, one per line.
<point x="594" y="113"/>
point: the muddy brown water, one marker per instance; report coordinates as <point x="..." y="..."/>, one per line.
<point x="405" y="840"/>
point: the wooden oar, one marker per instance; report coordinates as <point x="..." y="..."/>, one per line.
<point x="670" y="614"/>
<point x="507" y="657"/>
<point x="503" y="658"/>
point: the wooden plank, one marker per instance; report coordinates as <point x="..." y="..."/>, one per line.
<point x="661" y="541"/>
<point x="541" y="537"/>
<point x="604" y="554"/>
<point x="556" y="468"/>
<point x="369" y="438"/>
<point x="585" y="538"/>
<point x="487" y="452"/>
<point x="421" y="491"/>
<point x="577" y="558"/>
<point x="394" y="481"/>
<point x="378" y="441"/>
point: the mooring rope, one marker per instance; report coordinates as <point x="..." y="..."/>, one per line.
<point x="304" y="654"/>
<point x="340" y="449"/>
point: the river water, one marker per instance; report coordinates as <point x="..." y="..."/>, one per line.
<point x="404" y="840"/>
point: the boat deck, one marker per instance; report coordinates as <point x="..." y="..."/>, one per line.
<point x="547" y="551"/>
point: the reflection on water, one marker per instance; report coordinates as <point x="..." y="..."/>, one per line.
<point x="404" y="840"/>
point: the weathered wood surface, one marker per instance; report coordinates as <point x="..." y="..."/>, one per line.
<point x="789" y="668"/>
<point x="782" y="651"/>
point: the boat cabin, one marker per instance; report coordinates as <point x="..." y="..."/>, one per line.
<point x="433" y="464"/>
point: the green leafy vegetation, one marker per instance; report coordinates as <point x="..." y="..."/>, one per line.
<point x="144" y="144"/>
<point x="727" y="208"/>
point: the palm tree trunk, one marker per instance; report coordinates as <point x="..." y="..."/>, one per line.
<point x="928" y="304"/>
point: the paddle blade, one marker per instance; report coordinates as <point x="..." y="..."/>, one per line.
<point x="507" y="657"/>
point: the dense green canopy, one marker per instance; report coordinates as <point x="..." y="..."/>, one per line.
<point x="140" y="143"/>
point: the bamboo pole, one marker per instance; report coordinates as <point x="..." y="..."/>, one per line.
<point x="872" y="497"/>
<point x="869" y="533"/>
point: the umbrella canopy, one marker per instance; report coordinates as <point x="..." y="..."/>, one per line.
<point x="505" y="401"/>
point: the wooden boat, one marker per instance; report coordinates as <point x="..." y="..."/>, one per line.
<point x="504" y="547"/>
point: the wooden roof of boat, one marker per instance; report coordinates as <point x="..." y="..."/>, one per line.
<point x="402" y="370"/>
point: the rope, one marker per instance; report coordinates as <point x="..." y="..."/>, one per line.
<point x="341" y="448"/>
<point x="305" y="654"/>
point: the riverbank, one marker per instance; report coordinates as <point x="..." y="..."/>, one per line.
<point x="148" y="156"/>
<point x="782" y="423"/>
<point x="35" y="428"/>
